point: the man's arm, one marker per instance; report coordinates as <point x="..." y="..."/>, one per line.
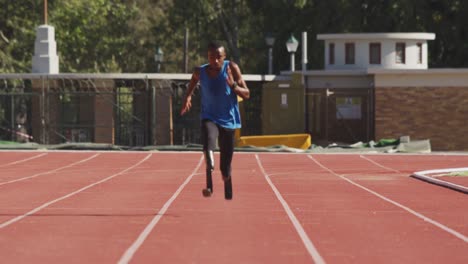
<point x="236" y="82"/>
<point x="187" y="104"/>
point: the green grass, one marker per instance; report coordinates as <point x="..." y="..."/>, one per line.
<point x="459" y="174"/>
<point x="2" y="142"/>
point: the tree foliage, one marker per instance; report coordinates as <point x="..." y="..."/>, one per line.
<point x="123" y="35"/>
<point x="93" y="35"/>
<point x="17" y="33"/>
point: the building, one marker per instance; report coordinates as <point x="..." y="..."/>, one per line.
<point x="374" y="86"/>
<point x="376" y="51"/>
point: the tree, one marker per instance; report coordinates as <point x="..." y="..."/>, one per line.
<point x="122" y="35"/>
<point x="231" y="21"/>
<point x="92" y="36"/>
<point x="18" y="20"/>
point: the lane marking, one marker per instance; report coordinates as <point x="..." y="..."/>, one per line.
<point x="130" y="252"/>
<point x="379" y="165"/>
<point x="37" y="209"/>
<point x="313" y="252"/>
<point x="23" y="160"/>
<point x="51" y="171"/>
<point x="425" y="218"/>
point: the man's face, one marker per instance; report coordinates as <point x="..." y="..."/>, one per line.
<point x="216" y="57"/>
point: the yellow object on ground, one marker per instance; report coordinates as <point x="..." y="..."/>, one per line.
<point x="301" y="141"/>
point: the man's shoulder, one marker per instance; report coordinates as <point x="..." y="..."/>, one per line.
<point x="233" y="64"/>
<point x="196" y="73"/>
<point x="197" y="69"/>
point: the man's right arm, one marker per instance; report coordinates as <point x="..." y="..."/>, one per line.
<point x="187" y="104"/>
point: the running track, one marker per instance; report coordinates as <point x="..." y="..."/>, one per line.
<point x="147" y="207"/>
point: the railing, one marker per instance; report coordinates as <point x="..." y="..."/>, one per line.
<point x="120" y="109"/>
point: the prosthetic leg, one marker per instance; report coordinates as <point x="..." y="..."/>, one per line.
<point x="226" y="172"/>
<point x="209" y="159"/>
<point x="227" y="188"/>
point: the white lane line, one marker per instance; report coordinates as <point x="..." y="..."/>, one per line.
<point x="23" y="160"/>
<point x="379" y="165"/>
<point x="49" y="172"/>
<point x="300" y="230"/>
<point x="130" y="252"/>
<point x="425" y="218"/>
<point x="37" y="209"/>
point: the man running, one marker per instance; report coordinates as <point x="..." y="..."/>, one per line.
<point x="220" y="83"/>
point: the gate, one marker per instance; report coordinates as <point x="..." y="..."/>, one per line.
<point x="132" y="113"/>
<point x="340" y="115"/>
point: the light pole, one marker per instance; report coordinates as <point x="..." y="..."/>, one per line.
<point x="158" y="58"/>
<point x="45" y="12"/>
<point x="270" y="40"/>
<point x="291" y="45"/>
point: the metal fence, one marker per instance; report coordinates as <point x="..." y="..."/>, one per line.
<point x="121" y="109"/>
<point x="15" y="110"/>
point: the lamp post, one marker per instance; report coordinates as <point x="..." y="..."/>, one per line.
<point x="270" y="40"/>
<point x="291" y="45"/>
<point x="158" y="58"/>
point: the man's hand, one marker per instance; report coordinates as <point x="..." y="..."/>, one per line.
<point x="186" y="105"/>
<point x="236" y="82"/>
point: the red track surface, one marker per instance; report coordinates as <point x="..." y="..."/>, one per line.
<point x="102" y="207"/>
<point x="460" y="180"/>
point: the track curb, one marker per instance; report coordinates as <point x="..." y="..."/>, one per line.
<point x="422" y="175"/>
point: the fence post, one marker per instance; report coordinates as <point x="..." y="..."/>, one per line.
<point x="153" y="115"/>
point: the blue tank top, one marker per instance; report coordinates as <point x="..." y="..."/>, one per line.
<point x="218" y="102"/>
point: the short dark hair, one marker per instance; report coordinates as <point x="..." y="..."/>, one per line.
<point x="215" y="45"/>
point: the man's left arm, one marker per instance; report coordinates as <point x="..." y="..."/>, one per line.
<point x="236" y="82"/>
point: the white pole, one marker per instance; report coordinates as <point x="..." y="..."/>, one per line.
<point x="304" y="51"/>
<point x="292" y="62"/>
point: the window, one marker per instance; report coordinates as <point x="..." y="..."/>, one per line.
<point x="348" y="107"/>
<point x="349" y="53"/>
<point x="331" y="53"/>
<point x="400" y="49"/>
<point x="374" y="53"/>
<point x="420" y="53"/>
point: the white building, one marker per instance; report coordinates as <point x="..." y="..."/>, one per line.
<point x="376" y="50"/>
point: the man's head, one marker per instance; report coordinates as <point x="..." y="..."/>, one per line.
<point x="216" y="55"/>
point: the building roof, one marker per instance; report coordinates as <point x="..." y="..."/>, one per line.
<point x="374" y="36"/>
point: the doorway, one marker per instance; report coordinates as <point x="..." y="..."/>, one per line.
<point x="340" y="115"/>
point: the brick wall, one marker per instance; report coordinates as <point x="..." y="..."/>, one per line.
<point x="438" y="114"/>
<point x="162" y="130"/>
<point x="104" y="114"/>
<point x="103" y="118"/>
<point x="36" y="121"/>
<point x="45" y="131"/>
<point x="53" y="119"/>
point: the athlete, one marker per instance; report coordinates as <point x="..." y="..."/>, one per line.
<point x="220" y="83"/>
